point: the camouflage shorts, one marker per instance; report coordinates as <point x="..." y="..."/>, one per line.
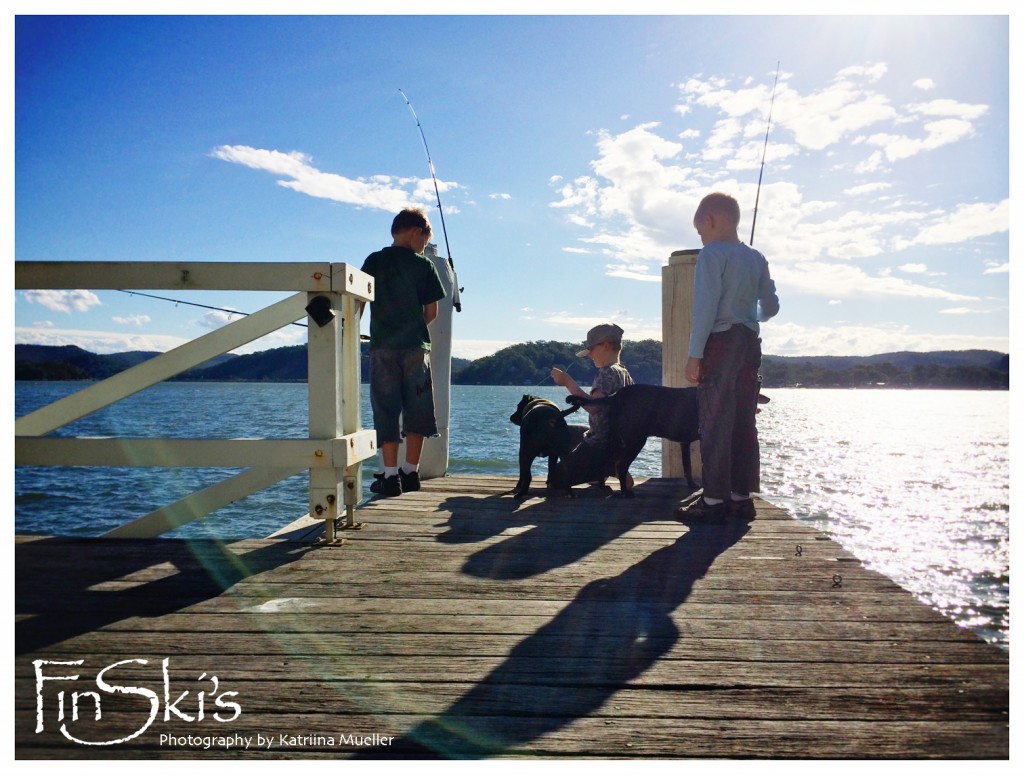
<point x="400" y="386"/>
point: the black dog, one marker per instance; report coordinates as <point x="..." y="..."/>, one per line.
<point x="640" y="411"/>
<point x="543" y="431"/>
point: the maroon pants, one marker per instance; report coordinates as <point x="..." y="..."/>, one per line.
<point x="727" y="403"/>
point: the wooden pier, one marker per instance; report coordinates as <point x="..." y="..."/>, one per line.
<point x="461" y="623"/>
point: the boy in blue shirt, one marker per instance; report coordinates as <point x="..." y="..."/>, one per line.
<point x="733" y="292"/>
<point x="407" y="289"/>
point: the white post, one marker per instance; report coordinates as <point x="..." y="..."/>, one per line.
<point x="325" y="378"/>
<point x="351" y="401"/>
<point x="434" y="459"/>
<point x="676" y="320"/>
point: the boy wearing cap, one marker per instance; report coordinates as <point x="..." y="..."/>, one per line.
<point x="589" y="460"/>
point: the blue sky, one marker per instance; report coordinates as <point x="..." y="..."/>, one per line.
<point x="571" y="152"/>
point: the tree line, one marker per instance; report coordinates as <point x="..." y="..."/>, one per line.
<point x="530" y="363"/>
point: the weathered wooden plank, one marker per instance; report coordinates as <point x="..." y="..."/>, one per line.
<point x="555" y="669"/>
<point x="643" y="702"/>
<point x="643" y="639"/>
<point x="729" y="625"/>
<point x="798" y="609"/>
<point x="475" y="736"/>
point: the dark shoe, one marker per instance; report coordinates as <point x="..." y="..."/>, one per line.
<point x="743" y="509"/>
<point x="388" y="487"/>
<point x="410" y="482"/>
<point x="699" y="510"/>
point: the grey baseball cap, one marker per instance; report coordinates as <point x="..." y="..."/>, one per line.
<point x="605" y="332"/>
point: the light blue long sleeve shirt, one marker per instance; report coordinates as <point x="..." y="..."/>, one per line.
<point x="731" y="286"/>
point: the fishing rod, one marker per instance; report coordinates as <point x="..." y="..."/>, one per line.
<point x="437" y="193"/>
<point x="194" y="304"/>
<point x="764" y="152"/>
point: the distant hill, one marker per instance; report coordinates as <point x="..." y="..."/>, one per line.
<point x="50" y="362"/>
<point x="529" y="364"/>
<point x="983" y="369"/>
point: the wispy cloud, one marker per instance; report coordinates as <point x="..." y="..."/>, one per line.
<point x="97" y="341"/>
<point x="218" y="318"/>
<point x="63" y="301"/>
<point x="296" y="170"/>
<point x="782" y="338"/>
<point x="132" y="320"/>
<point x="846" y="281"/>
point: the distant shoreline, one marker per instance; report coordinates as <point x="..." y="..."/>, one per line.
<point x="529" y="364"/>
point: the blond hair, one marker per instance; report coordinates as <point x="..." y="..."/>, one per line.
<point x="719" y="204"/>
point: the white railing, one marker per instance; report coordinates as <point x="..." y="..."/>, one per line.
<point x="336" y="444"/>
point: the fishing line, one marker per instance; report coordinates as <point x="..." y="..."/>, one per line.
<point x="430" y="164"/>
<point x="764" y="152"/>
<point x="194" y="304"/>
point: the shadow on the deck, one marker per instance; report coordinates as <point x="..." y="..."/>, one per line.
<point x="617" y="650"/>
<point x="546" y="545"/>
<point x="67" y="600"/>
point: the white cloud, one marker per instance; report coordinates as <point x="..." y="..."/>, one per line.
<point x="967" y="222"/>
<point x="924" y="84"/>
<point x="98" y="341"/>
<point x="866" y="188"/>
<point x="995" y="267"/>
<point x="872" y="72"/>
<point x="380" y="192"/>
<point x="846" y="281"/>
<point x="938" y="134"/>
<point x="63" y="301"/>
<point x="629" y="273"/>
<point x="950" y="108"/>
<point x="793" y="339"/>
<point x="43" y="324"/>
<point x="477" y="348"/>
<point x="132" y="320"/>
<point x="218" y="318"/>
<point x="499" y="196"/>
<point x="913" y="268"/>
<point x="115" y="342"/>
<point x="956" y="311"/>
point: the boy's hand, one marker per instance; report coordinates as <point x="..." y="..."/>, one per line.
<point x="559" y="377"/>
<point x="692" y="370"/>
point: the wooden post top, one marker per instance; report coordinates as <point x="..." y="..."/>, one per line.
<point x="688" y="256"/>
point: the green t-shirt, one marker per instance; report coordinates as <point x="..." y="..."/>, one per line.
<point x="405" y="283"/>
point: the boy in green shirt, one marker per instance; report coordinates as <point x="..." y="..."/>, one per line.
<point x="407" y="289"/>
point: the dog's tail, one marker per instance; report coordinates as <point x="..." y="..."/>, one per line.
<point x="578" y="401"/>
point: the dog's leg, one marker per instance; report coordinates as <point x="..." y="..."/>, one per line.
<point x="522" y="488"/>
<point x="627" y="452"/>
<point x="684" y="448"/>
<point x="552" y="481"/>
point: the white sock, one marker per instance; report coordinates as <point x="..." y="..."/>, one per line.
<point x="409" y="468"/>
<point x="390" y="471"/>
